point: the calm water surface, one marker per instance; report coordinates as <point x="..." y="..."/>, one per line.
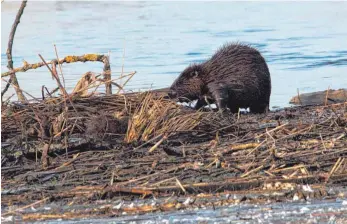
<point x="304" y="43"/>
<point x="329" y="211"/>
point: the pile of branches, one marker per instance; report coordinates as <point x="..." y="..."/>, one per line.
<point x="133" y="118"/>
<point x="143" y="145"/>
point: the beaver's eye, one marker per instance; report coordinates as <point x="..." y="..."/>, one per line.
<point x="194" y="74"/>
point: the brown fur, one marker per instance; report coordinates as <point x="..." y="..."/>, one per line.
<point x="236" y="76"/>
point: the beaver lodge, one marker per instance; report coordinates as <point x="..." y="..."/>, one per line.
<point x="104" y="156"/>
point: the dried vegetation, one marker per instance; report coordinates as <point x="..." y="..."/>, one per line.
<point x="141" y="145"/>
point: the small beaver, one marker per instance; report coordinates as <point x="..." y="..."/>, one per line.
<point x="236" y="76"/>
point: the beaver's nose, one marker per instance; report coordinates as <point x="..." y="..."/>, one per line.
<point x="172" y="94"/>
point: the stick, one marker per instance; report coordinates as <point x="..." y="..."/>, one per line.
<point x="67" y="59"/>
<point x="299" y="96"/>
<point x="6" y="88"/>
<point x="97" y="85"/>
<point x="44" y="157"/>
<point x="62" y="76"/>
<point x="180" y="185"/>
<point x="155" y="174"/>
<point x="122" y="64"/>
<point x="157" y="144"/>
<point x="60" y="67"/>
<point x="27" y="206"/>
<point x="8" y="82"/>
<point x="147" y="142"/>
<point x="326" y="96"/>
<point x="107" y="75"/>
<point x="75" y="157"/>
<point x="321" y="138"/>
<point x="272" y="130"/>
<point x="335" y="167"/>
<point x="55" y="75"/>
<point x="131" y="75"/>
<point x="63" y="90"/>
<point x="8" y="98"/>
<point x="127" y="190"/>
<point x="13" y="78"/>
<point x="252" y="171"/>
<point x="260" y="144"/>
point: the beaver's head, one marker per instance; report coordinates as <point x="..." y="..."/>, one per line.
<point x="188" y="85"/>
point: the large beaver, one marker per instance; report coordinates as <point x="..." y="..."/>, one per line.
<point x="236" y="76"/>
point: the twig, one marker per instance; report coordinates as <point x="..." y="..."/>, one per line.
<point x="107" y="75"/>
<point x="245" y="146"/>
<point x="155" y="174"/>
<point x="52" y="92"/>
<point x="60" y="67"/>
<point x="147" y="142"/>
<point x="27" y="206"/>
<point x="8" y="98"/>
<point x="55" y="75"/>
<point x="63" y="90"/>
<point x="163" y="181"/>
<point x="257" y="147"/>
<point x="93" y="84"/>
<point x="44" y="156"/>
<point x="252" y="171"/>
<point x="326" y="96"/>
<point x="321" y="138"/>
<point x="131" y="75"/>
<point x="115" y="188"/>
<point x="64" y="95"/>
<point x="299" y="96"/>
<point x="157" y="144"/>
<point x="337" y="165"/>
<point x="180" y="185"/>
<point x="272" y="130"/>
<point x="122" y="64"/>
<point x="67" y="59"/>
<point x="75" y="157"/>
<point x="6" y="88"/>
<point x="21" y="89"/>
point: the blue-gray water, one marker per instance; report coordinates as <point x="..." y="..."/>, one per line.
<point x="318" y="211"/>
<point x="304" y="43"/>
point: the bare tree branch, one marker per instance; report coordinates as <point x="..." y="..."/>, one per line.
<point x="13" y="78"/>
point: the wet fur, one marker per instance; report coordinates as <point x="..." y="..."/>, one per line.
<point x="236" y="76"/>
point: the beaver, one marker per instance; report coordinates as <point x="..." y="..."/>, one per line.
<point x="236" y="76"/>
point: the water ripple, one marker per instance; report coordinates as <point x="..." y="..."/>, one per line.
<point x="163" y="38"/>
<point x="255" y="30"/>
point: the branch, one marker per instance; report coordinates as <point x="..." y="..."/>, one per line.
<point x="13" y="78"/>
<point x="107" y="75"/>
<point x="6" y="88"/>
<point x="67" y="59"/>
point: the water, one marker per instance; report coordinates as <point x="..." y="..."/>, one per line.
<point x="304" y="43"/>
<point x="318" y="211"/>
